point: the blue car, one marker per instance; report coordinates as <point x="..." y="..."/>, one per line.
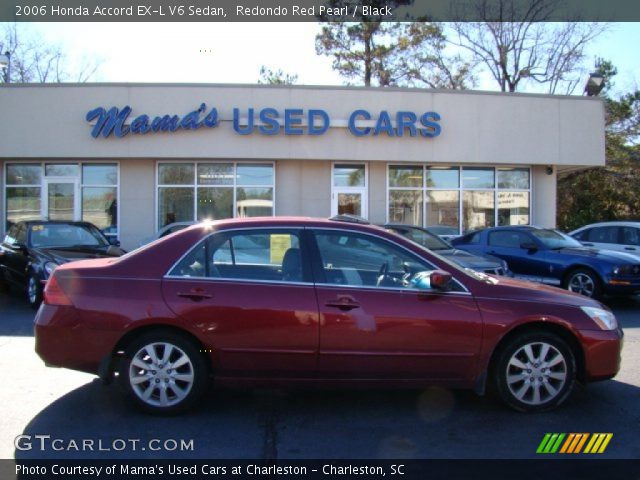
<point x="548" y="256"/>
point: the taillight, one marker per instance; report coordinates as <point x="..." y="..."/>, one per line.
<point x="54" y="294"/>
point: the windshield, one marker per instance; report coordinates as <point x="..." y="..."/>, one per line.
<point x="66" y="235"/>
<point x="553" y="239"/>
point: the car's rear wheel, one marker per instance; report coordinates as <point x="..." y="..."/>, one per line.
<point x="34" y="291"/>
<point x="163" y="372"/>
<point x="535" y="371"/>
<point x="585" y="282"/>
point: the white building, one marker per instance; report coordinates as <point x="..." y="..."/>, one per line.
<point x="430" y="157"/>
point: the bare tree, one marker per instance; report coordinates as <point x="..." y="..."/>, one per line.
<point x="517" y="44"/>
<point x="35" y="61"/>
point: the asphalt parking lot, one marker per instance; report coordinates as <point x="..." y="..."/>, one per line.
<point x="263" y="424"/>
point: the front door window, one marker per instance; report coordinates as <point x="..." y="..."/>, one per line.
<point x="349" y="190"/>
<point x="61" y="201"/>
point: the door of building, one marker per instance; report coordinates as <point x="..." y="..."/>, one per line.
<point x="349" y="190"/>
<point x="61" y="199"/>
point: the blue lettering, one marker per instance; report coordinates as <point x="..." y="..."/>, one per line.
<point x="269" y="116"/>
<point x="313" y="130"/>
<point x="191" y="120"/>
<point x="108" y="122"/>
<point x="384" y="124"/>
<point x="140" y="124"/>
<point x="165" y="123"/>
<point x="211" y="120"/>
<point x="359" y="132"/>
<point x="432" y="127"/>
<point x="406" y="120"/>
<point x="291" y="118"/>
<point x="236" y="122"/>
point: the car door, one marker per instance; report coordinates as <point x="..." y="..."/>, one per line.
<point x="525" y="263"/>
<point x="605" y="237"/>
<point x="375" y="325"/>
<point x="250" y="293"/>
<point x="630" y="240"/>
<point x="15" y="257"/>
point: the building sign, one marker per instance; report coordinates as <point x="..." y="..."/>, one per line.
<point x="266" y="121"/>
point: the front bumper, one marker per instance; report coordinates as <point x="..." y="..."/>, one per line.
<point x="602" y="353"/>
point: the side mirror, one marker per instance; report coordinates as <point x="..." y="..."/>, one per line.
<point x="440" y="280"/>
<point x="113" y="241"/>
<point x="529" y="246"/>
<point x="431" y="280"/>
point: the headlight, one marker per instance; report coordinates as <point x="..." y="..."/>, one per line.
<point x="605" y="319"/>
<point x="625" y="270"/>
<point x="49" y="267"/>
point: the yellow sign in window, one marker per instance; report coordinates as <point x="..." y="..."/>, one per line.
<point x="280" y="243"/>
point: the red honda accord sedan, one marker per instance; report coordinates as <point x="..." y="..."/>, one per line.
<point x="299" y="301"/>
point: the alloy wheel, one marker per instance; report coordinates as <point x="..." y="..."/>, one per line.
<point x="536" y="373"/>
<point x="582" y="283"/>
<point x="161" y="374"/>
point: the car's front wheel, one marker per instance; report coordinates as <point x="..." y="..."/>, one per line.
<point x="585" y="282"/>
<point x="34" y="291"/>
<point x="163" y="372"/>
<point x="535" y="371"/>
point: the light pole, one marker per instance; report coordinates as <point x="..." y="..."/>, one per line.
<point x="5" y="62"/>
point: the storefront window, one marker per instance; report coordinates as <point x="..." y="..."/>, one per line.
<point x="405" y="206"/>
<point x="23" y="203"/>
<point x="463" y="198"/>
<point x="349" y="175"/>
<point x="61" y="170"/>
<point x="63" y="191"/>
<point x="211" y="191"/>
<point x="478" y="210"/>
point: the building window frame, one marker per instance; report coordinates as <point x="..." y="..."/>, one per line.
<point x="194" y="186"/>
<point x="361" y="190"/>
<point x="460" y="189"/>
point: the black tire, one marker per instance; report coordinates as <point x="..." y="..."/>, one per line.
<point x="34" y="291"/>
<point x="585" y="282"/>
<point x="533" y="362"/>
<point x="150" y="379"/>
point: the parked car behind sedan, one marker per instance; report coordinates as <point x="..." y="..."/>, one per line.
<point x="422" y="236"/>
<point x="549" y="256"/>
<point x="32" y="250"/>
<point x="311" y="313"/>
<point x="618" y="236"/>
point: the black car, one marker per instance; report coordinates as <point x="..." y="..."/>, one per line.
<point x="32" y="250"/>
<point x="422" y="236"/>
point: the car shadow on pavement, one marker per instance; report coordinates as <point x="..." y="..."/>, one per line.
<point x="95" y="422"/>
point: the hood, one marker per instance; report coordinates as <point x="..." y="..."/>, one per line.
<point x="62" y="255"/>
<point x="605" y="255"/>
<point x="468" y="260"/>
<point x="513" y="289"/>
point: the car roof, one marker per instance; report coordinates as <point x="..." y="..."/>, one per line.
<point x="613" y="223"/>
<point x="230" y="223"/>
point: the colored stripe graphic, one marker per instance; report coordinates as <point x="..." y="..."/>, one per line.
<point x="550" y="443"/>
<point x="574" y="443"/>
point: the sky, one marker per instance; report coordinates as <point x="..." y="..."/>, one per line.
<point x="234" y="52"/>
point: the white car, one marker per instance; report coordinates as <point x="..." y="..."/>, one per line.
<point x="618" y="236"/>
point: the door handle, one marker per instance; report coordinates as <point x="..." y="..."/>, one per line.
<point x="629" y="248"/>
<point x="587" y="244"/>
<point x="343" y="303"/>
<point x="195" y="295"/>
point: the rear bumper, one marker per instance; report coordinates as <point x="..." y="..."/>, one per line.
<point x="63" y="341"/>
<point x="602" y="353"/>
